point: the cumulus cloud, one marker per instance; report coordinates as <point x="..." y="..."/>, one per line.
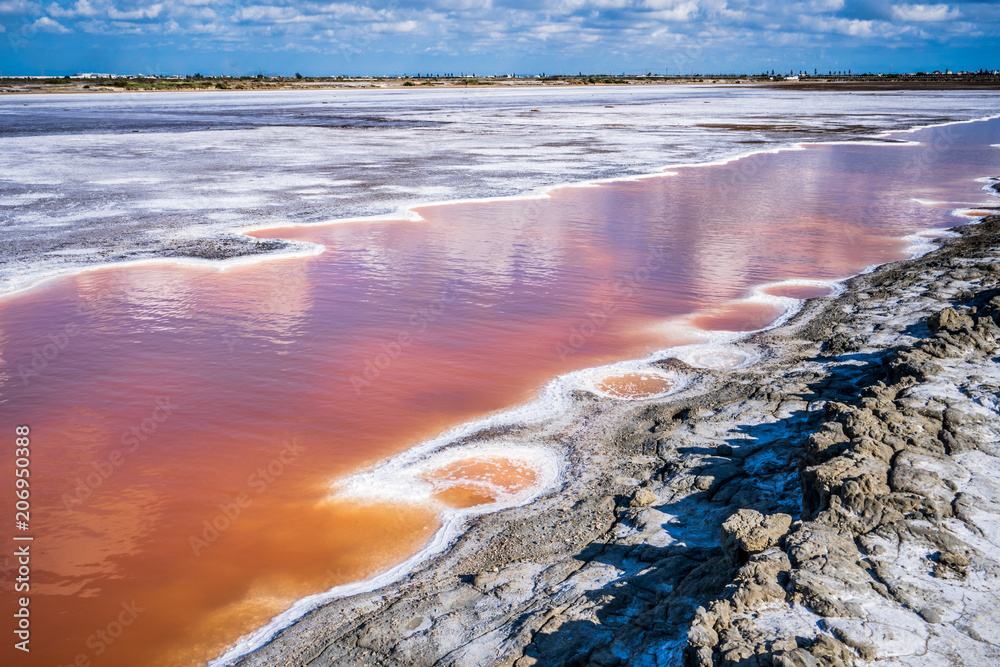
<point x="852" y="27"/>
<point x="395" y="26"/>
<point x="267" y="14"/>
<point x="18" y="7"/>
<point x="151" y="12"/>
<point x="672" y="11"/>
<point x="924" y="13"/>
<point x="81" y="8"/>
<point x="45" y="24"/>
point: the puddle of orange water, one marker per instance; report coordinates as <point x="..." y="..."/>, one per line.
<point x="636" y="385"/>
<point x="462" y="497"/>
<point x="476" y="481"/>
<point x="738" y="317"/>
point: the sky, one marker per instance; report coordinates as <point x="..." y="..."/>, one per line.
<point x="384" y="37"/>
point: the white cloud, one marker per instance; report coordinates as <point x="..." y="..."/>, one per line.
<point x="343" y="10"/>
<point x="852" y="27"/>
<point x="665" y="4"/>
<point x="395" y="26"/>
<point x="267" y="14"/>
<point x="826" y="5"/>
<point x="19" y="7"/>
<point x="205" y="28"/>
<point x="924" y="13"/>
<point x="551" y="29"/>
<point x="81" y="8"/>
<point x="45" y="24"/>
<point x="463" y="4"/>
<point x="2" y="29"/>
<point x="150" y="12"/>
<point x="568" y="6"/>
<point x="202" y="13"/>
<point x="679" y="12"/>
<point x="127" y="28"/>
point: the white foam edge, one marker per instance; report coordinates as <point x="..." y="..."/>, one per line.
<point x="303" y="250"/>
<point x="902" y="143"/>
<point x="701" y="355"/>
<point x="922" y="242"/>
<point x="728" y="343"/>
<point x="591" y="381"/>
<point x="946" y="123"/>
<point x="836" y="287"/>
<point x="403" y="483"/>
<point x="972" y="212"/>
<point x="787" y="305"/>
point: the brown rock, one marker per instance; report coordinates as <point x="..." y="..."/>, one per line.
<point x="748" y="532"/>
<point x="643" y="498"/>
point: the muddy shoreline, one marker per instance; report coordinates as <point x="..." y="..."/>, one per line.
<point x="833" y="504"/>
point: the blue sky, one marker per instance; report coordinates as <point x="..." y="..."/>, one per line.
<point x="324" y="37"/>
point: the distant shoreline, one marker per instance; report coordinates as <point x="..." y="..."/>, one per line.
<point x="22" y="86"/>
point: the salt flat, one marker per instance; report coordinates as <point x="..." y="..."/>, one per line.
<point x="90" y="179"/>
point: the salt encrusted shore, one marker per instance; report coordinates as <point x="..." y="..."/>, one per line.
<point x="836" y="503"/>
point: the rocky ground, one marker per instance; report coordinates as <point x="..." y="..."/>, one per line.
<point x="837" y="503"/>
